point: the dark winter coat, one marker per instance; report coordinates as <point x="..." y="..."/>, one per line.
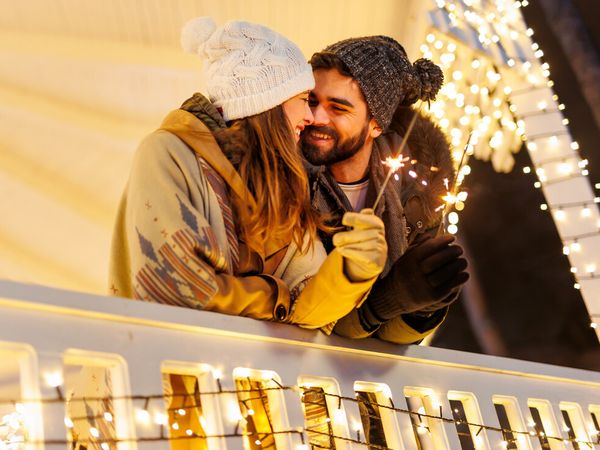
<point x="410" y="207"/>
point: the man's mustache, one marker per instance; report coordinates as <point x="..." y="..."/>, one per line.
<point x="321" y="129"/>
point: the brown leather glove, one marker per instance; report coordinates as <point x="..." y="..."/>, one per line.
<point x="426" y="278"/>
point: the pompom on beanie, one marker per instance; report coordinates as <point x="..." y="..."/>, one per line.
<point x="249" y="68"/>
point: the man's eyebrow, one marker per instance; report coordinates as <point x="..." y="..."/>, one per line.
<point x="341" y="101"/>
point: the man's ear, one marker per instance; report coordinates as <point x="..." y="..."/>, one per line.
<point x="374" y="129"/>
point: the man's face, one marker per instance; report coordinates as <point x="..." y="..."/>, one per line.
<point x="342" y="124"/>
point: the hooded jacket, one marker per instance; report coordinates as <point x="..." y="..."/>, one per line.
<point x="175" y="239"/>
<point x="409" y="208"/>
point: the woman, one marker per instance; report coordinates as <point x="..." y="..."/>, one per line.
<point x="217" y="213"/>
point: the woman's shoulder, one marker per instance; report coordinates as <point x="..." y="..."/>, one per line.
<point x="164" y="147"/>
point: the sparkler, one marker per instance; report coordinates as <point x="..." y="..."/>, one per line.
<point x="397" y="162"/>
<point x="452" y="195"/>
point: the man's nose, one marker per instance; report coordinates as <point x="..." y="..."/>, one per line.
<point x="320" y="115"/>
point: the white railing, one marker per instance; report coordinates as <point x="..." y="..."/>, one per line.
<point x="48" y="337"/>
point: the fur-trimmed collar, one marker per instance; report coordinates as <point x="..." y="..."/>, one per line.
<point x="428" y="145"/>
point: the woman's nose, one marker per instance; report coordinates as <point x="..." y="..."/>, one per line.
<point x="308" y="115"/>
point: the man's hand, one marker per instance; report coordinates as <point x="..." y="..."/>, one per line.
<point x="364" y="248"/>
<point x="426" y="278"/>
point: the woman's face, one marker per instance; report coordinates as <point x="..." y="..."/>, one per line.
<point x="298" y="113"/>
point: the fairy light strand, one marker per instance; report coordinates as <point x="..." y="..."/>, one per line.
<point x="471" y="102"/>
<point x="261" y="436"/>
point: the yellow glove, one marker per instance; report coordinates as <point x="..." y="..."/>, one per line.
<point x="364" y="247"/>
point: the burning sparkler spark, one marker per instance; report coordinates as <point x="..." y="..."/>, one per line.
<point x="389" y="160"/>
<point x="394" y="163"/>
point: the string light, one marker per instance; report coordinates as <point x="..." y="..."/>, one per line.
<point x="161" y="418"/>
<point x="421" y="428"/>
<point x="142" y="416"/>
<point x="53" y="379"/>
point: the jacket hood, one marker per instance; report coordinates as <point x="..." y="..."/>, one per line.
<point x="205" y="111"/>
<point x="192" y="129"/>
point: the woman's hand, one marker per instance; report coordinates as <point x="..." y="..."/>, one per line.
<point x="364" y="247"/>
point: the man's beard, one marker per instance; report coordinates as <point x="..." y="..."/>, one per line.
<point x="340" y="151"/>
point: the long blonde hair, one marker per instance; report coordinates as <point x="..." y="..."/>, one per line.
<point x="263" y="150"/>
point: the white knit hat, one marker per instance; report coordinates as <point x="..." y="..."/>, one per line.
<point x="249" y="68"/>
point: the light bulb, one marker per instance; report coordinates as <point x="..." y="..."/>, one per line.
<point x="560" y="215"/>
<point x="160" y="418"/>
<point x="53" y="379"/>
<point x="565" y="168"/>
<point x="142" y="416"/>
<point x="339" y="415"/>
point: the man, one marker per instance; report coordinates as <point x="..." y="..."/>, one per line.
<point x="361" y="107"/>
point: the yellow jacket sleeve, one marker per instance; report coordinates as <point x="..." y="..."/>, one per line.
<point x="396" y="330"/>
<point x="328" y="296"/>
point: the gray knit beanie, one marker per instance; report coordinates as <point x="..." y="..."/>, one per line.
<point x="385" y="75"/>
